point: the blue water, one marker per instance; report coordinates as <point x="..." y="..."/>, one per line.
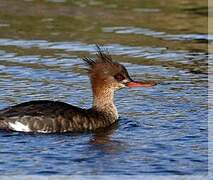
<point x="161" y="130"/>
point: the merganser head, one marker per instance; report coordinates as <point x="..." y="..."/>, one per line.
<point x="104" y="72"/>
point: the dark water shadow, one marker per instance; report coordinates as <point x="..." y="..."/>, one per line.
<point x="103" y="140"/>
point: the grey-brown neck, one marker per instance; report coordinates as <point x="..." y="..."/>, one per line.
<point x="103" y="100"/>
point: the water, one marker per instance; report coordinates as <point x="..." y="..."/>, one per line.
<point x="161" y="131"/>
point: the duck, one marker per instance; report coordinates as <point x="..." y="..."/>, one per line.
<point x="46" y="116"/>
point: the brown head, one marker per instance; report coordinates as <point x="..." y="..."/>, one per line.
<point x="104" y="73"/>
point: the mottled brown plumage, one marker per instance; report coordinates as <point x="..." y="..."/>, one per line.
<point x="52" y="116"/>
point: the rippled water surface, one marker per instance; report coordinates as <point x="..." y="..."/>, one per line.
<point x="161" y="131"/>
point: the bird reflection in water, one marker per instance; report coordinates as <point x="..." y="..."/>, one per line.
<point x="103" y="140"/>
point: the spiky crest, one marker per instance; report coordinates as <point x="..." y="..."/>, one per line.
<point x="102" y="56"/>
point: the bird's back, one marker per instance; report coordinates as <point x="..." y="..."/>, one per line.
<point x="51" y="116"/>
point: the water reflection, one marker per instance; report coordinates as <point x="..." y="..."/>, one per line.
<point x="156" y="34"/>
<point x="169" y="57"/>
<point x="104" y="142"/>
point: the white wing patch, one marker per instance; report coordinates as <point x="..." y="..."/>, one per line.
<point x="17" y="126"/>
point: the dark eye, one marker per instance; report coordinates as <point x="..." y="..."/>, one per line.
<point x="119" y="77"/>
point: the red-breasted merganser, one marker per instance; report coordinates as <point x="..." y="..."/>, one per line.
<point x="45" y="116"/>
